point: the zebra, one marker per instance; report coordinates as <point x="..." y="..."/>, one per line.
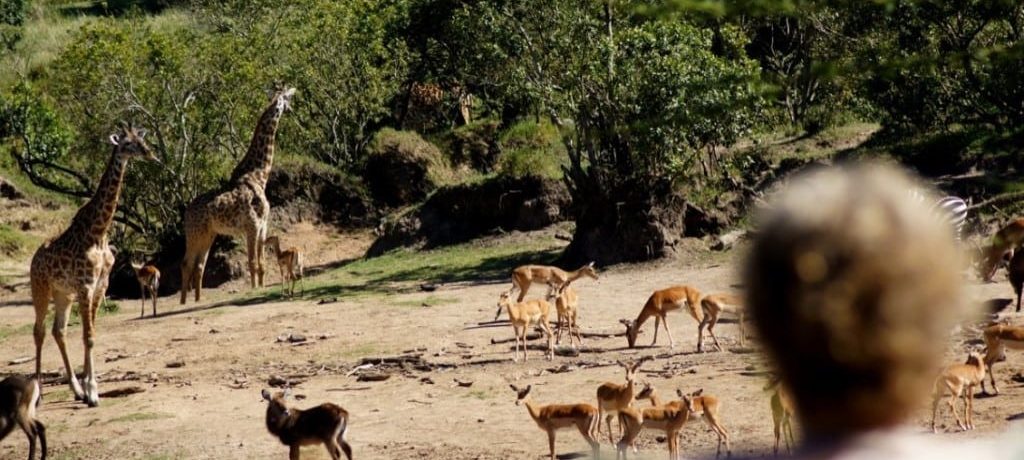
<point x="952" y="209"/>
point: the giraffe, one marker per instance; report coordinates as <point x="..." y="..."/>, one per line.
<point x="240" y="209"/>
<point x="77" y="264"/>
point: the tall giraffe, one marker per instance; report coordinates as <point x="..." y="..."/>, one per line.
<point x="240" y="209"/>
<point x="77" y="264"/>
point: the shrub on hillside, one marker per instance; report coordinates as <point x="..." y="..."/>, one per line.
<point x="476" y="145"/>
<point x="12" y="17"/>
<point x="533" y="149"/>
<point x="402" y="167"/>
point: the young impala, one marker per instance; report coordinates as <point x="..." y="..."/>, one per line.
<point x="148" y="277"/>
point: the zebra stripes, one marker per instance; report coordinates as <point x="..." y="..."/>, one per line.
<point x="952" y="209"/>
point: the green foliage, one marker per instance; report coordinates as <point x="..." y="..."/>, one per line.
<point x="157" y="78"/>
<point x="343" y="56"/>
<point x="109" y="306"/>
<point x="533" y="149"/>
<point x="12" y="17"/>
<point x="937" y="64"/>
<point x="41" y="139"/>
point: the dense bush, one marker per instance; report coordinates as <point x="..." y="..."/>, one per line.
<point x="403" y="168"/>
<point x="475" y="145"/>
<point x="533" y="149"/>
<point x="12" y="18"/>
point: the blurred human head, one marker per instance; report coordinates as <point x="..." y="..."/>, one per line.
<point x="853" y="287"/>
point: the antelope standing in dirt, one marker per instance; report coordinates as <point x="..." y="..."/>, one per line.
<point x="567" y="305"/>
<point x="612" y="398"/>
<point x="553" y="417"/>
<point x="148" y="277"/>
<point x="289" y="263"/>
<point x="713" y="306"/>
<point x="658" y="305"/>
<point x="556" y="279"/>
<point x="326" y="424"/>
<point x="1004" y="242"/>
<point x="669" y="417"/>
<point x="782" y="414"/>
<point x="19" y="397"/>
<point x="707" y="407"/>
<point x="631" y="422"/>
<point x="959" y="380"/>
<point x="998" y="338"/>
<point x="521" y="315"/>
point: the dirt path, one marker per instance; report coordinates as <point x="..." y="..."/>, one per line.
<point x="211" y="408"/>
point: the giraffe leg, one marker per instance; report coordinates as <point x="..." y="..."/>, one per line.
<point x="261" y="237"/>
<point x="197" y="248"/>
<point x="251" y="241"/>
<point x="41" y="302"/>
<point x="92" y="397"/>
<point x="62" y="302"/>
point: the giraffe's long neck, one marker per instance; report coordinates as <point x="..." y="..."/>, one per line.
<point x="260" y="157"/>
<point x="94" y="219"/>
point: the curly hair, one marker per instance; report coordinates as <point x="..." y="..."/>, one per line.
<point x="853" y="288"/>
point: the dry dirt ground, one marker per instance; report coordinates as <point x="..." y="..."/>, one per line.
<point x="210" y="406"/>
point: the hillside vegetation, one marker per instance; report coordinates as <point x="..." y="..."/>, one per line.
<point x="663" y="119"/>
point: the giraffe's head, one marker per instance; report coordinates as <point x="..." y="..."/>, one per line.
<point x="130" y="142"/>
<point x="281" y="98"/>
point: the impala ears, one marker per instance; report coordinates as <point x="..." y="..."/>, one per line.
<point x="115" y="139"/>
<point x="266" y="395"/>
<point x="591" y="264"/>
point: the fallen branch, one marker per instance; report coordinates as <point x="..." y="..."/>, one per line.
<point x="998" y="199"/>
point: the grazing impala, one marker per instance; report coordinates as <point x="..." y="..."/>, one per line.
<point x="521" y="315"/>
<point x="553" y="417"/>
<point x="713" y="307"/>
<point x="959" y="380"/>
<point x="324" y="424"/>
<point x="556" y="279"/>
<point x="19" y="397"/>
<point x="612" y="398"/>
<point x="148" y="277"/>
<point x="997" y="339"/>
<point x="1004" y="242"/>
<point x="658" y="305"/>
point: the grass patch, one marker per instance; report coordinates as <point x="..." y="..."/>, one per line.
<point x="472" y="261"/>
<point x="17" y="331"/>
<point x="360" y="351"/>
<point x="14" y="242"/>
<point x="482" y="395"/>
<point x="140" y="416"/>
<point x="480" y="260"/>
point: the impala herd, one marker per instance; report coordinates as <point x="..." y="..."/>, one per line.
<point x="615" y="400"/>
